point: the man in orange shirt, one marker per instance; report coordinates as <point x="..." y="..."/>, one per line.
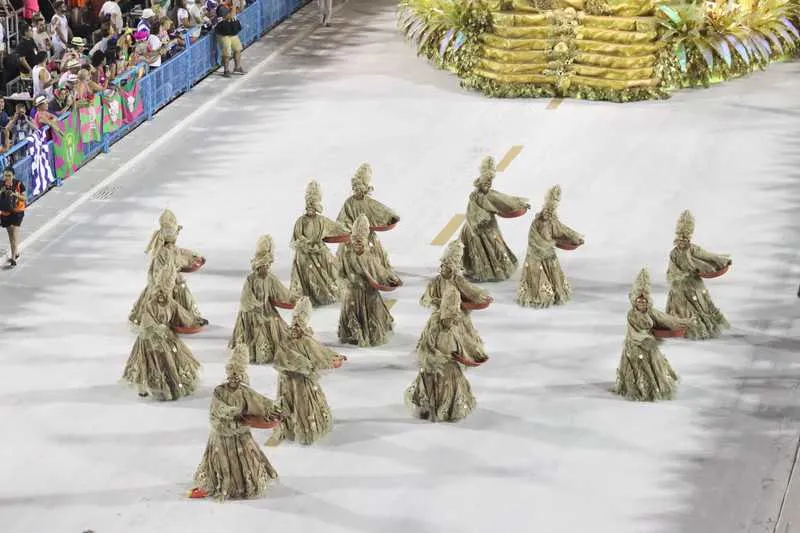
<point x="12" y="211"/>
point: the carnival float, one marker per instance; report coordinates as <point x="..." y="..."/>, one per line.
<point x="615" y="50"/>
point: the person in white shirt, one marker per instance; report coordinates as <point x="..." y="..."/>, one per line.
<point x="191" y="16"/>
<point x="59" y="28"/>
<point x="154" y="45"/>
<point x="40" y="34"/>
<point x="111" y="9"/>
<point x="42" y="80"/>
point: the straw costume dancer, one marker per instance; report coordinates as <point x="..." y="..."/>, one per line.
<point x="233" y="466"/>
<point x="188" y="260"/>
<point x="688" y="296"/>
<point x="487" y="257"/>
<point x="543" y="282"/>
<point x="259" y="326"/>
<point x="167" y="258"/>
<point x="364" y="319"/>
<point x="314" y="266"/>
<point x="441" y="392"/>
<point x="644" y="374"/>
<point x="380" y="217"/>
<point x="298" y="361"/>
<point x="472" y="298"/>
<point x="160" y="364"/>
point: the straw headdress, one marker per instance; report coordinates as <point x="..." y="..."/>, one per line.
<point x="264" y="255"/>
<point x="553" y="197"/>
<point x="360" y="228"/>
<point x="236" y="367"/>
<point x="641" y="287"/>
<point x="684" y="229"/>
<point x="168" y="224"/>
<point x="301" y="315"/>
<point x="450" y="306"/>
<point x="453" y="255"/>
<point x="488" y="171"/>
<point x="314" y="196"/>
<point x="362" y="180"/>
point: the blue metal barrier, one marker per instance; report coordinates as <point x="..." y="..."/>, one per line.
<point x="164" y="84"/>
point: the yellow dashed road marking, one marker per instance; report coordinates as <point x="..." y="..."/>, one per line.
<point x="449" y="230"/>
<point x="508" y="158"/>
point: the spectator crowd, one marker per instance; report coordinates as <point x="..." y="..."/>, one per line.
<point x="61" y="64"/>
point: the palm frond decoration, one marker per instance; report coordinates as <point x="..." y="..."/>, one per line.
<point x="719" y="39"/>
<point x="444" y="31"/>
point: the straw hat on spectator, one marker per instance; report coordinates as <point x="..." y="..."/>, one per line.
<point x="67" y="80"/>
<point x="148" y="13"/>
<point x="78" y="42"/>
<point x="72" y="64"/>
<point x="39" y="100"/>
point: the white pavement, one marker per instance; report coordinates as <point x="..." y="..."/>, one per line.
<point x="549" y="449"/>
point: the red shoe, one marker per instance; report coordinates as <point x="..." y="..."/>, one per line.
<point x="197" y="494"/>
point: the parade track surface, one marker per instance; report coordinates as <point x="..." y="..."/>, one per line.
<point x="549" y="448"/>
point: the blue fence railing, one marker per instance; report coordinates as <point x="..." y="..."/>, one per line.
<point x="162" y="85"/>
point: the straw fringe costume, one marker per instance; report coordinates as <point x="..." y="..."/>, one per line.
<point x="364" y="319"/>
<point x="543" y="283"/>
<point x="450" y="274"/>
<point x="644" y="374"/>
<point x="233" y="465"/>
<point x="487" y="257"/>
<point x="299" y="393"/>
<point x="259" y="326"/>
<point x="441" y="392"/>
<point x="361" y="203"/>
<point x="188" y="260"/>
<point x="160" y="363"/>
<point x="688" y="296"/>
<point x="314" y="266"/>
<point x="167" y="258"/>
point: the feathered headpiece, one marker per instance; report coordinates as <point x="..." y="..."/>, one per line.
<point x="453" y="255"/>
<point x="360" y="228"/>
<point x="450" y="306"/>
<point x="168" y="225"/>
<point x="684" y="229"/>
<point x="314" y="196"/>
<point x="264" y="255"/>
<point x="488" y="172"/>
<point x="641" y="287"/>
<point x="362" y="180"/>
<point x="301" y="315"/>
<point x="236" y="367"/>
<point x="553" y="197"/>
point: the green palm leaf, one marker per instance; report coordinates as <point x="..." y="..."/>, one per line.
<point x="680" y="53"/>
<point x="706" y="52"/>
<point x="446" y="41"/>
<point x="673" y="15"/>
<point x="723" y="49"/>
<point x="792" y="28"/>
<point x="739" y="47"/>
<point x="787" y="37"/>
<point x="776" y="43"/>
